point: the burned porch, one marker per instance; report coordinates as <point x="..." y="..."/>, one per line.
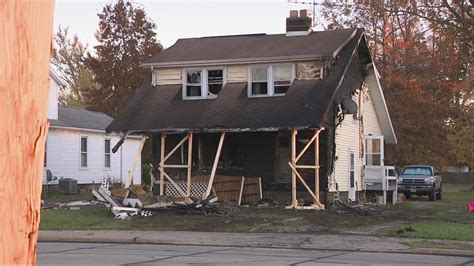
<point x="288" y="172"/>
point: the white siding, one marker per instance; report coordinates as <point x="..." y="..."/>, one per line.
<point x="168" y="76"/>
<point x="371" y="122"/>
<point x="53" y="100"/>
<point x="63" y="156"/>
<point x="348" y="139"/>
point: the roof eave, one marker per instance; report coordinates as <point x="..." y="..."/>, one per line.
<point x="260" y="60"/>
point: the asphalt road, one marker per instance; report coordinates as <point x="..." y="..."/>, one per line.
<point x="130" y="254"/>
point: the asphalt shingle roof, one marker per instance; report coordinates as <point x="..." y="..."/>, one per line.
<point x="161" y="108"/>
<point x="75" y="117"/>
<point x="316" y="44"/>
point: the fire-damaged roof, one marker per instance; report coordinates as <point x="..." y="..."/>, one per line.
<point x="254" y="47"/>
<point x="305" y="105"/>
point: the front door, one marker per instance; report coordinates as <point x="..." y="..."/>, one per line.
<point x="352" y="186"/>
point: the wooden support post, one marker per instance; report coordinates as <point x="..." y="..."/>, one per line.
<point x="135" y="162"/>
<point x="162" y="162"/>
<point x="316" y="163"/>
<point x="294" y="202"/>
<point x="214" y="167"/>
<point x="316" y="184"/>
<point x="190" y="162"/>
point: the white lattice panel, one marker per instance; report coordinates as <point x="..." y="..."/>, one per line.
<point x="197" y="189"/>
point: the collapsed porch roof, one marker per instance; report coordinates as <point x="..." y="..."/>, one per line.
<point x="161" y="108"/>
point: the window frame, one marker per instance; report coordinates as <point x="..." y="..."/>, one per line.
<point x="45" y="161"/>
<point x="366" y="151"/>
<point x="270" y="79"/>
<point x="107" y="153"/>
<point x="205" y="94"/>
<point x="292" y="76"/>
<point x="81" y="167"/>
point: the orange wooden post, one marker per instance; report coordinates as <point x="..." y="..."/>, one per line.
<point x="25" y="51"/>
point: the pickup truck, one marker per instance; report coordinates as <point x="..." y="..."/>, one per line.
<point x="420" y="180"/>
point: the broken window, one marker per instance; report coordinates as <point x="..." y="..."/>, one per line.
<point x="193" y="83"/>
<point x="259" y="81"/>
<point x="215" y="80"/>
<point x="83" y="152"/>
<point x="281" y="78"/>
<point x="107" y="153"/>
<point x="203" y="83"/>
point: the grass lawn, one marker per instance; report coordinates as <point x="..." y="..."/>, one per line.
<point x="416" y="218"/>
<point x="445" y="219"/>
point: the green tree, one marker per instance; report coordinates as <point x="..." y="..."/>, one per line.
<point x="68" y="59"/>
<point x="126" y="39"/>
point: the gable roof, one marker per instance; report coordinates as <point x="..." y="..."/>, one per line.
<point x="74" y="117"/>
<point x="250" y="48"/>
<point x="161" y="108"/>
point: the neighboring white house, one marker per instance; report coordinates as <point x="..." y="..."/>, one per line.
<point x="77" y="146"/>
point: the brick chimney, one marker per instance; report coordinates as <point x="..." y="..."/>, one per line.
<point x="297" y="25"/>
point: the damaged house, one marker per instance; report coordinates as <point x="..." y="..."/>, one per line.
<point x="304" y="111"/>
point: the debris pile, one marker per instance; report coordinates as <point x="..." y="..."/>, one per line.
<point x="136" y="200"/>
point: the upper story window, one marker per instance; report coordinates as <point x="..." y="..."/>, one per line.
<point x="203" y="83"/>
<point x="215" y="80"/>
<point x="259" y="77"/>
<point x="270" y="80"/>
<point x="193" y="83"/>
<point x="282" y="77"/>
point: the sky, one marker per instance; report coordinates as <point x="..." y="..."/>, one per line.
<point x="184" y="19"/>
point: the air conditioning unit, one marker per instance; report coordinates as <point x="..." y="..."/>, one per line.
<point x="68" y="185"/>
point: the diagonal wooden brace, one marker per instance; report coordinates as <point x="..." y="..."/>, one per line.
<point x="316" y="200"/>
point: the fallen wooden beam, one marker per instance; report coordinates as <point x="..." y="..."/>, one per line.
<point x="214" y="167"/>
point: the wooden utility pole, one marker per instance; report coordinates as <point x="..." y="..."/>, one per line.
<point x="25" y="52"/>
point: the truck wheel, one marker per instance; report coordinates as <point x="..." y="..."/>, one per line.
<point x="407" y="195"/>
<point x="432" y="195"/>
<point x="439" y="193"/>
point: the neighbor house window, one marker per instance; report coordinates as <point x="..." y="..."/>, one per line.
<point x="45" y="152"/>
<point x="83" y="152"/>
<point x="107" y="154"/>
<point x="203" y="83"/>
<point x="259" y="78"/>
<point x="270" y="80"/>
<point x="282" y="78"/>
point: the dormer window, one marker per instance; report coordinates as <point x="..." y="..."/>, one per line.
<point x="203" y="83"/>
<point x="270" y="80"/>
<point x="282" y="79"/>
<point x="259" y="80"/>
<point x="193" y="84"/>
<point x="215" y="80"/>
